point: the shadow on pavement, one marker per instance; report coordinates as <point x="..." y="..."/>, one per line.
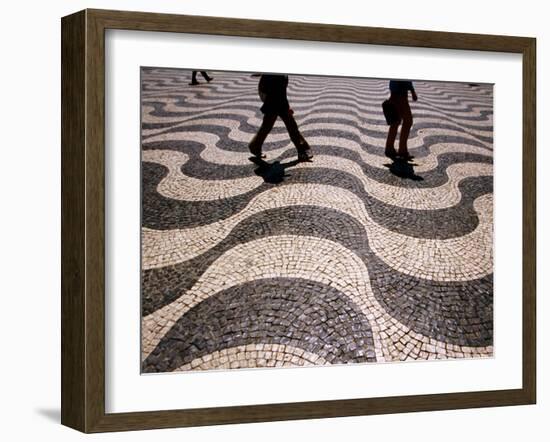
<point x="403" y="169"/>
<point x="272" y="173"/>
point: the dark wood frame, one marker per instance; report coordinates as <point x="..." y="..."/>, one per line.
<point x="83" y="216"/>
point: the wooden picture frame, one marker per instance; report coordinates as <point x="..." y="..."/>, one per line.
<point x="83" y="220"/>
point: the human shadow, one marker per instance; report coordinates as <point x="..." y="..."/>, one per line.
<point x="403" y="169"/>
<point x="272" y="173"/>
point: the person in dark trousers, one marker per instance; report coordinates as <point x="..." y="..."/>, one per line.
<point x="194" y="81"/>
<point x="272" y="91"/>
<point x="399" y="98"/>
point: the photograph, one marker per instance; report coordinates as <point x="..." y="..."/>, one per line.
<point x="292" y="220"/>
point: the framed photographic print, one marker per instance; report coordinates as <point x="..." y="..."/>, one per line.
<point x="268" y="221"/>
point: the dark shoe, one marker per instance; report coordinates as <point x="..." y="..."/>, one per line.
<point x="193" y="83"/>
<point x="209" y="79"/>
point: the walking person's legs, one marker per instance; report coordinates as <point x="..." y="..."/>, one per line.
<point x="255" y="145"/>
<point x="194" y="78"/>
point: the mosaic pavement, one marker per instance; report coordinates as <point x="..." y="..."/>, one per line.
<point x="349" y="258"/>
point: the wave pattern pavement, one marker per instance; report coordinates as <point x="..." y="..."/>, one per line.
<point x="349" y="258"/>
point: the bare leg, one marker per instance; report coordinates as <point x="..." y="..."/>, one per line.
<point x="406" y="114"/>
<point x="390" y="140"/>
<point x="257" y="142"/>
<point x="296" y="137"/>
<point x="293" y="131"/>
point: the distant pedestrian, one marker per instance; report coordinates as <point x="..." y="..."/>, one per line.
<point x="194" y="81"/>
<point x="401" y="114"/>
<point x="272" y="90"/>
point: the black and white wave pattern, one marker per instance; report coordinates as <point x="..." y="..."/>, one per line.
<point x="349" y="259"/>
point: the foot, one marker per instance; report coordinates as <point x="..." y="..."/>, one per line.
<point x="304" y="155"/>
<point x="405" y="156"/>
<point x="390" y="153"/>
<point x="209" y="79"/>
<point x="193" y="83"/>
<point x="256" y="151"/>
<point x="304" y="151"/>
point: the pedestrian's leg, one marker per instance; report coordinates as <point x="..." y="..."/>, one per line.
<point x="206" y="76"/>
<point x="194" y="78"/>
<point x="390" y="140"/>
<point x="405" y="128"/>
<point x="292" y="129"/>
<point x="296" y="137"/>
<point x="257" y="142"/>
